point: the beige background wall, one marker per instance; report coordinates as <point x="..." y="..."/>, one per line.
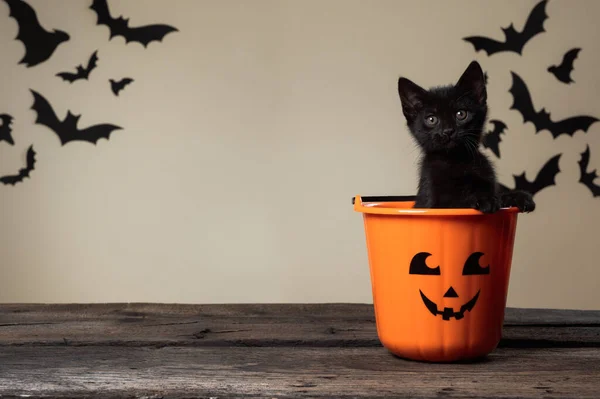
<point x="247" y="133"/>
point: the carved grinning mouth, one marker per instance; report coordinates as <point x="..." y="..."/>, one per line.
<point x="449" y="313"/>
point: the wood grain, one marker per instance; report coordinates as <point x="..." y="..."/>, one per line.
<point x="277" y="351"/>
<point x="254" y="325"/>
<point x="292" y="372"/>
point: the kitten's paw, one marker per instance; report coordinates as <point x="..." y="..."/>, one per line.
<point x="520" y="199"/>
<point x="486" y="203"/>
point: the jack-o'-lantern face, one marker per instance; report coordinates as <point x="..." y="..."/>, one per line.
<point x="471" y="267"/>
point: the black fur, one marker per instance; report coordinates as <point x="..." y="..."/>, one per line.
<point x="453" y="172"/>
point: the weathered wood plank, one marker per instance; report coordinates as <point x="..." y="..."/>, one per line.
<point x="554" y="317"/>
<point x="251" y="325"/>
<point x="196" y="334"/>
<point x="36" y="312"/>
<point x="291" y="372"/>
<point x="514" y="316"/>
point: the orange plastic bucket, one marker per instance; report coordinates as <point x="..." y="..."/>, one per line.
<point x="439" y="277"/>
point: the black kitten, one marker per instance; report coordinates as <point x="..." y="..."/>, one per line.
<point x="447" y="122"/>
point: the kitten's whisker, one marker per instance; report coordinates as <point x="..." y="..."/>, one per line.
<point x="471" y="146"/>
<point x="468" y="147"/>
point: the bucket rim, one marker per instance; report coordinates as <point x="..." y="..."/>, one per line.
<point x="372" y="204"/>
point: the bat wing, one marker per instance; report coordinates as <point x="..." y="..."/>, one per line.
<point x="499" y="126"/>
<point x="124" y="82"/>
<point x="10" y="179"/>
<point x="82" y="73"/>
<point x="148" y="33"/>
<point x="68" y="76"/>
<point x="30" y="158"/>
<point x="569" y="58"/>
<point x="587" y="178"/>
<point x="514" y="41"/>
<point x="490" y="46"/>
<point x="24" y="172"/>
<point x="535" y="22"/>
<point x="492" y="139"/>
<point x="570" y="125"/>
<point x="94" y="133"/>
<point x="522" y="102"/>
<point x="120" y="26"/>
<point x="545" y="177"/>
<point x="92" y="63"/>
<point x="102" y="12"/>
<point x="6" y="129"/>
<point x="113" y="87"/>
<point x="29" y="25"/>
<point x="45" y="113"/>
<point x="67" y="130"/>
<point x="120" y="85"/>
<point x="39" y="43"/>
<point x="541" y="120"/>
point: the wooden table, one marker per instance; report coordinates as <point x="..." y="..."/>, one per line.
<point x="277" y="351"/>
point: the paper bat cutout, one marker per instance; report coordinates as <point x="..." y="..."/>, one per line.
<point x="541" y="120"/>
<point x="120" y="26"/>
<point x="587" y="178"/>
<point x="67" y="129"/>
<point x="117" y="86"/>
<point x="514" y="41"/>
<point x="544" y="178"/>
<point x="563" y="71"/>
<point x="24" y="172"/>
<point x="81" y="72"/>
<point x="39" y="43"/>
<point x="492" y="138"/>
<point x="6" y="129"/>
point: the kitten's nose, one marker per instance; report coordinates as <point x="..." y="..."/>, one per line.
<point x="448" y="132"/>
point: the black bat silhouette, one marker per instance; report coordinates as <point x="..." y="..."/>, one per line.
<point x="117" y="86"/>
<point x="67" y="129"/>
<point x="492" y="138"/>
<point x="24" y="172"/>
<point x="544" y="178"/>
<point x="39" y="43"/>
<point x="6" y="129"/>
<point x="541" y="120"/>
<point x="514" y="41"/>
<point x="120" y="26"/>
<point x="563" y="71"/>
<point x="81" y="72"/>
<point x="587" y="178"/>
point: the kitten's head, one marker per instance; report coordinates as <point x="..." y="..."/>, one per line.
<point x="446" y="118"/>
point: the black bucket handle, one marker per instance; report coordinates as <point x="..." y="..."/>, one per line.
<point x="387" y="198"/>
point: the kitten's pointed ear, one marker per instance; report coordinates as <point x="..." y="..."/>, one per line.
<point x="411" y="97"/>
<point x="473" y="81"/>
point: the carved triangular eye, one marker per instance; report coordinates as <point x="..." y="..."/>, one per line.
<point x="472" y="265"/>
<point x="418" y="265"/>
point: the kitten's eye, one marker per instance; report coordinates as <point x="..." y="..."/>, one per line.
<point x="431" y="120"/>
<point x="461" y="115"/>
